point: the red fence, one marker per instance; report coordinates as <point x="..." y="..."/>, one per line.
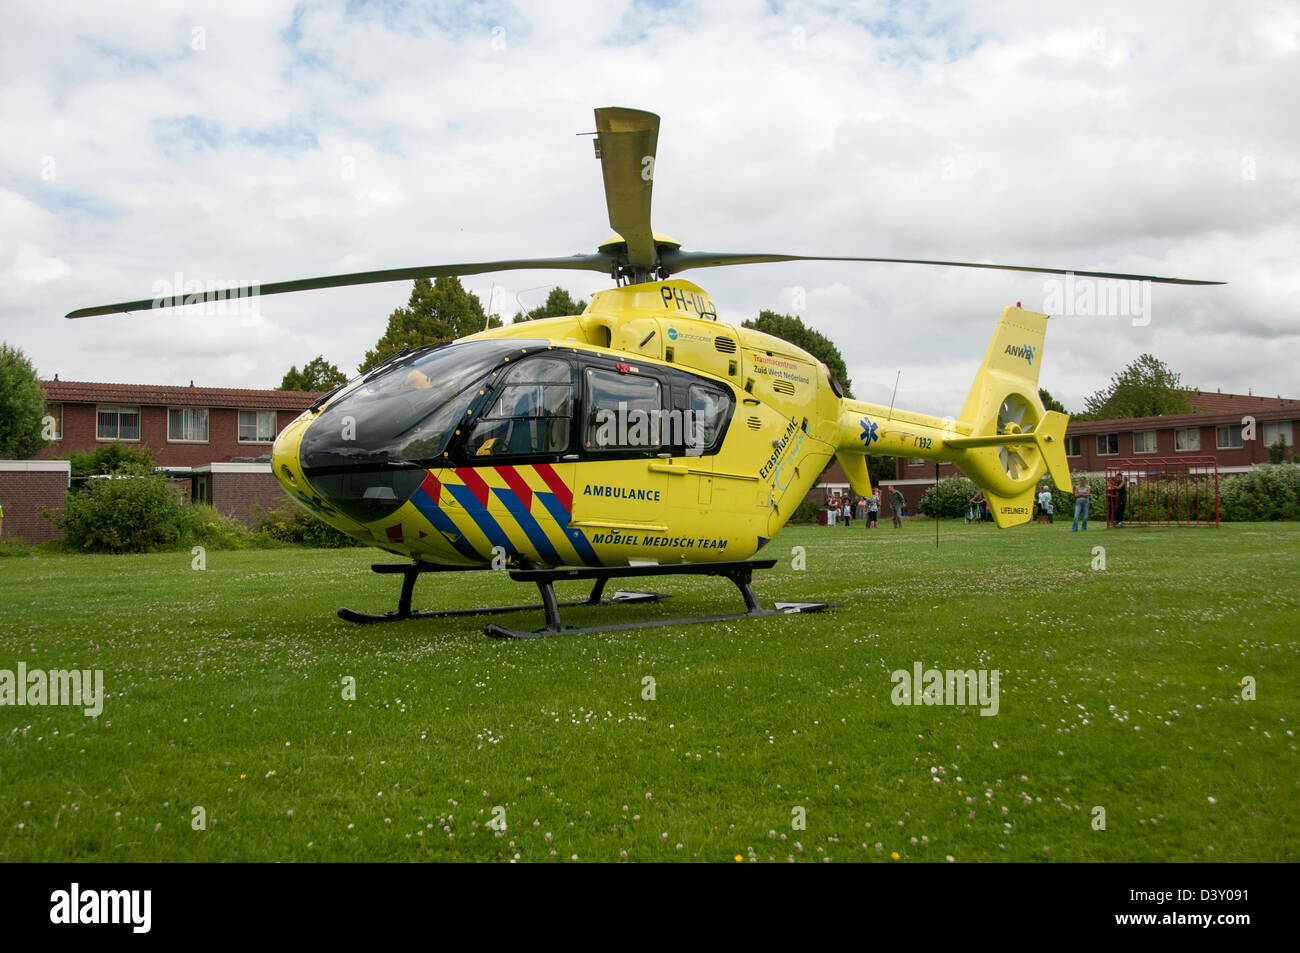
<point x="1162" y="491"/>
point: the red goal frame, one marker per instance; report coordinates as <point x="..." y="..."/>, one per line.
<point x="1163" y="491"/>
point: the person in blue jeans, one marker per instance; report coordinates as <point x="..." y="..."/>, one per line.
<point x="1082" y="503"/>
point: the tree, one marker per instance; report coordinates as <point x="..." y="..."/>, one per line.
<point x="1146" y="388"/>
<point x="22" y="406"/>
<point x="1050" y="402"/>
<point x="316" y="374"/>
<point x="558" y="303"/>
<point x="881" y="469"/>
<point x="792" y="329"/>
<point x="438" y="311"/>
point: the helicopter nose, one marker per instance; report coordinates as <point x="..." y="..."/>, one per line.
<point x="359" y="481"/>
<point x="284" y="457"/>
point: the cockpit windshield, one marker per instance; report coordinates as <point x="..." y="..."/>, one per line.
<point x="405" y="413"/>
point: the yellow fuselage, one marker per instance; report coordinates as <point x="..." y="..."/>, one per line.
<point x="646" y="503"/>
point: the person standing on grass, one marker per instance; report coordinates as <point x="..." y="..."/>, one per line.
<point x="896" y="503"/>
<point x="873" y="509"/>
<point x="1082" y="503"/>
<point x="1116" y="498"/>
<point x="1045" y="504"/>
<point x="848" y="510"/>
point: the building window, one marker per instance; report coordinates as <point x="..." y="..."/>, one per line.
<point x="917" y="463"/>
<point x="117" y="423"/>
<point x="1279" y="430"/>
<point x="1227" y="437"/>
<point x="1073" y="447"/>
<point x="187" y="424"/>
<point x="54" y="412"/>
<point x="1187" y="439"/>
<point x="1144" y="441"/>
<point x="1107" y="444"/>
<point x="256" y="426"/>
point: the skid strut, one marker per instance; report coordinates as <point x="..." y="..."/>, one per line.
<point x="410" y="572"/>
<point x="740" y="573"/>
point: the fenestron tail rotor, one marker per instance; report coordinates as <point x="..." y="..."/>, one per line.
<point x="626" y="144"/>
<point x="1012" y="420"/>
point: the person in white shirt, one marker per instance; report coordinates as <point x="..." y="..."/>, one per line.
<point x="1045" y="507"/>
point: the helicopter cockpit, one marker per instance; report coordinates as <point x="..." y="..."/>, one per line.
<point x="372" y="444"/>
<point x="493" y="401"/>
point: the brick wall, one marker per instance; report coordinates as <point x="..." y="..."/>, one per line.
<point x="237" y="493"/>
<point x="27" y="488"/>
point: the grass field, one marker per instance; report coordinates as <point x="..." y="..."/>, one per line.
<point x="1120" y="688"/>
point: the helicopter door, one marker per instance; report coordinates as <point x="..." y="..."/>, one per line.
<point x="617" y="490"/>
<point x="512" y="486"/>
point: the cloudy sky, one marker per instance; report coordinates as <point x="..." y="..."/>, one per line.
<point x="262" y="141"/>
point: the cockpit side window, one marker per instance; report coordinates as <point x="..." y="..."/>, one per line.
<point x="532" y="414"/>
<point x="623" y="412"/>
<point x="710" y="410"/>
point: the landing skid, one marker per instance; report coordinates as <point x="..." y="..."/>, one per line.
<point x="740" y="573"/>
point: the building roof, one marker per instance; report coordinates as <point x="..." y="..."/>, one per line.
<point x="88" y="392"/>
<point x="1207" y="410"/>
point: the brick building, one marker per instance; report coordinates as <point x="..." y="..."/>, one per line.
<point x="183" y="426"/>
<point x="213" y="442"/>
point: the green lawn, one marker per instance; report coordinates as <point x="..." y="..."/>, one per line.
<point x="1119" y="689"/>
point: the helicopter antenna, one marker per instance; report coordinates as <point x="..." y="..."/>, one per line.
<point x="492" y="297"/>
<point x="895" y="394"/>
<point x="520" y="301"/>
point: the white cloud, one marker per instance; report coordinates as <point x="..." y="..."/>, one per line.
<point x="305" y="140"/>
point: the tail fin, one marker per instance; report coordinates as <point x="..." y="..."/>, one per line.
<point x="1005" y="440"/>
<point x="1013" y="439"/>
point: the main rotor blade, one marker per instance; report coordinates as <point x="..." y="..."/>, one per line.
<point x="599" y="262"/>
<point x="627" y="139"/>
<point x="676" y="261"/>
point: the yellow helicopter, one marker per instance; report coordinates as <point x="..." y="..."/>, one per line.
<point x="643" y="437"/>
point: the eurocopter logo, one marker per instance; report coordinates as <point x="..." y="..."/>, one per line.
<point x="1022" y="350"/>
<point x="869" y="433"/>
<point x="672" y="334"/>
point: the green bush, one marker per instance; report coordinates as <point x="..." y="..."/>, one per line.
<point x="806" y="512"/>
<point x="131" y="511"/>
<point x="110" y="458"/>
<point x="295" y="525"/>
<point x="1170" y="498"/>
<point x="202" y="524"/>
<point x="948" y="499"/>
<point x="14" y="547"/>
<point x="1271" y="492"/>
